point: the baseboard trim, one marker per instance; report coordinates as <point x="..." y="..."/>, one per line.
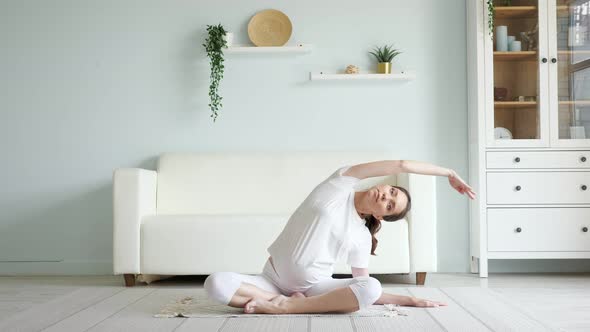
<point x="65" y="267"/>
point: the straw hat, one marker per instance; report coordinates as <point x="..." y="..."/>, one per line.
<point x="269" y="27"/>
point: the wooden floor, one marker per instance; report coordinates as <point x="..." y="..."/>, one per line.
<point x="559" y="302"/>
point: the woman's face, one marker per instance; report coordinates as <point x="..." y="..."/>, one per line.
<point x="385" y="200"/>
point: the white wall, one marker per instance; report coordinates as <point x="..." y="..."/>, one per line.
<point x="89" y="86"/>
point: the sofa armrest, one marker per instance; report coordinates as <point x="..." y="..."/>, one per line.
<point x="134" y="196"/>
<point x="421" y="220"/>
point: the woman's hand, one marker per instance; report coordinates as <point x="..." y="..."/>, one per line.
<point x="427" y="303"/>
<point x="460" y="185"/>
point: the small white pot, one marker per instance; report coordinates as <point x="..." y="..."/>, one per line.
<point x="577" y="132"/>
<point x="229" y="38"/>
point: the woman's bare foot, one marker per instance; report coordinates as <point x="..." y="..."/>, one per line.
<point x="297" y="294"/>
<point x="276" y="305"/>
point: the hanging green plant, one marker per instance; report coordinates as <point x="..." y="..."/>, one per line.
<point x="491" y="14"/>
<point x="214" y="45"/>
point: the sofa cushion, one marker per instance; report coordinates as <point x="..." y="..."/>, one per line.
<point x="248" y="183"/>
<point x="203" y="244"/>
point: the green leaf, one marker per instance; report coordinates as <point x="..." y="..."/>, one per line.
<point x="385" y="53"/>
<point x="214" y="45"/>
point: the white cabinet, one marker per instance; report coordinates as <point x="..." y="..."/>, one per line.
<point x="529" y="130"/>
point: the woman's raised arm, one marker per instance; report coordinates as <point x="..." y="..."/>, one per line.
<point x="376" y="168"/>
<point x="390" y="167"/>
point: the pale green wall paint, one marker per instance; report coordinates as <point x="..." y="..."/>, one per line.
<point x="87" y="87"/>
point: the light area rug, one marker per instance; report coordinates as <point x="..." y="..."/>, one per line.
<point x="198" y="305"/>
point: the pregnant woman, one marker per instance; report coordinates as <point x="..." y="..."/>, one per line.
<point x="333" y="222"/>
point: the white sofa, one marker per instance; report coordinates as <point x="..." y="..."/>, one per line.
<point x="204" y="212"/>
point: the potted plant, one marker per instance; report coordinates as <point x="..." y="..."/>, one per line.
<point x="384" y="56"/>
<point x="214" y="45"/>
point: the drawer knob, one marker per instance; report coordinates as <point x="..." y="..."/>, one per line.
<point x="517" y="159"/>
<point x="518" y="229"/>
<point x="585" y="229"/>
<point x="517" y="188"/>
<point x="583" y="159"/>
<point x="584" y="187"/>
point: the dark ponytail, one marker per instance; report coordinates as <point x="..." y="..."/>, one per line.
<point x="374" y="225"/>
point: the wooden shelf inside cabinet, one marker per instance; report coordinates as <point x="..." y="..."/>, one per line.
<point x="322" y="76"/>
<point x="244" y="49"/>
<point x="574" y="52"/>
<point x="515" y="11"/>
<point x="563" y="10"/>
<point x="516" y="56"/>
<point x="533" y="104"/>
<point x="515" y="104"/>
<point x="583" y="103"/>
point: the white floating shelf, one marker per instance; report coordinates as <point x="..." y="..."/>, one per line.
<point x="403" y="76"/>
<point x="243" y="49"/>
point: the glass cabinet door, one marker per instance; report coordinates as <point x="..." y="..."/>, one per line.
<point x="569" y="39"/>
<point x="520" y="97"/>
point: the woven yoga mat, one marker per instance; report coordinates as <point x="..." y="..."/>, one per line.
<point x="198" y="305"/>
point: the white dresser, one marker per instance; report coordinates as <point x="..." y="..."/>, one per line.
<point x="529" y="116"/>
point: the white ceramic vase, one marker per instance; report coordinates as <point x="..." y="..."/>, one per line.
<point x="577" y="132"/>
<point x="229" y="38"/>
<point x="502" y="38"/>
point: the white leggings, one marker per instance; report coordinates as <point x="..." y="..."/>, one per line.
<point x="221" y="286"/>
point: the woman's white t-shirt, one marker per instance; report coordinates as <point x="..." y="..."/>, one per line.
<point x="325" y="228"/>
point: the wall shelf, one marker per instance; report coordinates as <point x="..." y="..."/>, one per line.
<point x="290" y="49"/>
<point x="323" y="76"/>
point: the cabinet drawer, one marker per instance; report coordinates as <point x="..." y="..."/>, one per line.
<point x="538" y="159"/>
<point x="538" y="188"/>
<point x="541" y="229"/>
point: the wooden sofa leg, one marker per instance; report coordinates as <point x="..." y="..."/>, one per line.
<point x="129" y="280"/>
<point x="420" y="278"/>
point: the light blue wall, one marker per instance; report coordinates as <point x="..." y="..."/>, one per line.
<point x="89" y="86"/>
